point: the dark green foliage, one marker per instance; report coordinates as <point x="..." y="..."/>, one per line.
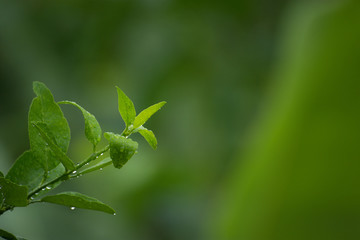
<point x="65" y="160"/>
<point x="46" y="165"/>
<point x="27" y="171"/>
<point x="78" y="200"/>
<point x="12" y="195"/>
<point x="8" y="236"/>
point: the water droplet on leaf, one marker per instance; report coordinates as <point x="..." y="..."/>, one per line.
<point x="72" y="208"/>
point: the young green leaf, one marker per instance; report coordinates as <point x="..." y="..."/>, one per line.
<point x="99" y="165"/>
<point x="8" y="236"/>
<point x="126" y="108"/>
<point x="13" y="194"/>
<point x="121" y="148"/>
<point x="149" y="137"/>
<point x="147" y="113"/>
<point x="78" y="200"/>
<point x="92" y="127"/>
<point x="64" y="159"/>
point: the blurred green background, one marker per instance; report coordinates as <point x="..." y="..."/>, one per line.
<point x="259" y="139"/>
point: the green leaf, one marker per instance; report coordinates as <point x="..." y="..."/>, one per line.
<point x="92" y="127"/>
<point x="36" y="166"/>
<point x="43" y="109"/>
<point x="6" y="235"/>
<point x="12" y="194"/>
<point x="147" y="113"/>
<point x="126" y="108"/>
<point x="54" y="173"/>
<point x="1" y="174"/>
<point x="149" y="137"/>
<point x="64" y="159"/>
<point x="78" y="200"/>
<point x="27" y="170"/>
<point x="101" y="164"/>
<point x="121" y="148"/>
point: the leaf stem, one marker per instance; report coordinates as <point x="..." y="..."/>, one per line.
<point x="92" y="157"/>
<point x="65" y="176"/>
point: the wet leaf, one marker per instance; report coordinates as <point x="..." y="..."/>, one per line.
<point x="12" y="194"/>
<point x="126" y="108"/>
<point x="146" y="114"/>
<point x="92" y="127"/>
<point x="6" y="235"/>
<point x="33" y="167"/>
<point x="78" y="200"/>
<point x="27" y="171"/>
<point x="64" y="159"/>
<point x="149" y="137"/>
<point x="121" y="148"/>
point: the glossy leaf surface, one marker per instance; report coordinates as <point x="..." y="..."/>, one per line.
<point x="27" y="170"/>
<point x="121" y="148"/>
<point x="149" y="137"/>
<point x="126" y="108"/>
<point x="12" y="194"/>
<point x="78" y="200"/>
<point x="34" y="166"/>
<point x="64" y="159"/>
<point x="45" y="109"/>
<point x="92" y="127"/>
<point x="147" y="113"/>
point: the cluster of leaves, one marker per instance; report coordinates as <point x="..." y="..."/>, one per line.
<point x="46" y="165"/>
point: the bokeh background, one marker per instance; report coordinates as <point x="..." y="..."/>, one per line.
<point x="260" y="137"/>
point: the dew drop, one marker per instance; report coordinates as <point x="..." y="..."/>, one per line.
<point x="114" y="214"/>
<point x="43" y="189"/>
<point x="72" y="208"/>
<point x="100" y="169"/>
<point x="74" y="172"/>
<point x="86" y="164"/>
<point x="48" y="188"/>
<point x="101" y="154"/>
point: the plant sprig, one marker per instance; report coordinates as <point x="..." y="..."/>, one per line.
<point x="46" y="165"/>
